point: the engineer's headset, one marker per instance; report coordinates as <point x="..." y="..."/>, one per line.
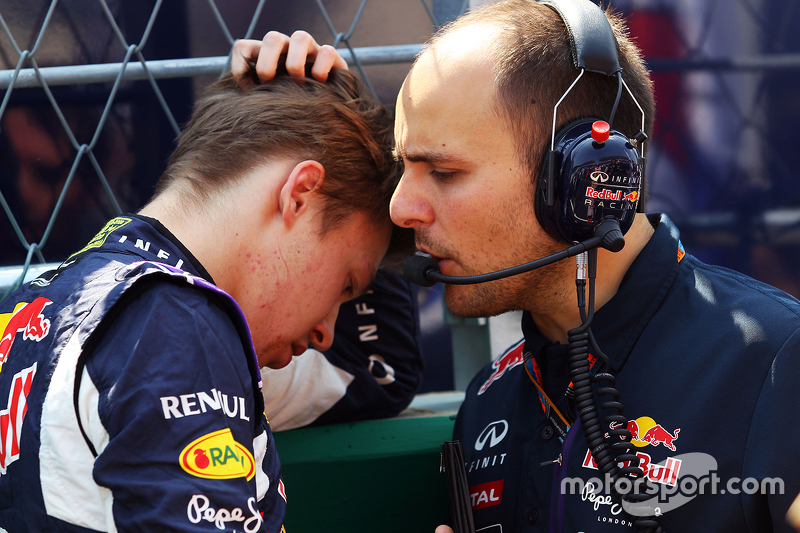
<point x="590" y="184"/>
<point x="588" y="193"/>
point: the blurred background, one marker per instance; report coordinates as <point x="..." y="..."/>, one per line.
<point x="80" y="142"/>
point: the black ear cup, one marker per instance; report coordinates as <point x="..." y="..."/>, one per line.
<point x="593" y="174"/>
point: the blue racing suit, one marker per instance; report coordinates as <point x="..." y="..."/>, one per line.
<point x="133" y="398"/>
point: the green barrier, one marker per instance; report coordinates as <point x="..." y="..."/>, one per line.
<point x="379" y="476"/>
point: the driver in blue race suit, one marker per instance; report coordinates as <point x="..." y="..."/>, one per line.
<point x="130" y="374"/>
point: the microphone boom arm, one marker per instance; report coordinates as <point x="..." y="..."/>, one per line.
<point x="434" y="275"/>
<point x="424" y="271"/>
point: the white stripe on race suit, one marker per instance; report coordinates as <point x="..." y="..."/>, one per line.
<point x="65" y="461"/>
<point x="259" y="452"/>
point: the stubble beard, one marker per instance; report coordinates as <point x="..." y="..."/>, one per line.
<point x="536" y="291"/>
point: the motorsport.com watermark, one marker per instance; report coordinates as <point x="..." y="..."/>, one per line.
<point x="698" y="476"/>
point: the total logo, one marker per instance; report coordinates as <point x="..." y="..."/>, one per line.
<point x="218" y="456"/>
<point x="26" y="318"/>
<point x="486" y="494"/>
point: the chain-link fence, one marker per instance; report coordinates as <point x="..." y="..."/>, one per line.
<point x="84" y="83"/>
<point x="95" y="93"/>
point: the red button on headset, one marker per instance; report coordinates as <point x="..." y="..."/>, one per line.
<point x="600" y="131"/>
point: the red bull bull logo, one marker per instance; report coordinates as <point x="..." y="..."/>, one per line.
<point x="632" y="197"/>
<point x="26" y="318"/>
<point x="508" y="360"/>
<point x="217" y="456"/>
<point x="645" y="432"/>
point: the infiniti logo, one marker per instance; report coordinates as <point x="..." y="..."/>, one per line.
<point x="381" y="370"/>
<point x="491" y="431"/>
<point x="599" y="175"/>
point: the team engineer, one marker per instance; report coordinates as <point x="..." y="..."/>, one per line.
<point x="705" y="358"/>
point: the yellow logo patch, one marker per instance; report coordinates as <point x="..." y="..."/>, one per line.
<point x="217" y="456"/>
<point x="99" y="240"/>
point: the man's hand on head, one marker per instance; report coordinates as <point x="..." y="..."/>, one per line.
<point x="298" y="49"/>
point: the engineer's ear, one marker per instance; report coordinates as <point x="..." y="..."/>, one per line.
<point x="302" y="185"/>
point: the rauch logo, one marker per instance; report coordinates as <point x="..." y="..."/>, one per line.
<point x="217" y="456"/>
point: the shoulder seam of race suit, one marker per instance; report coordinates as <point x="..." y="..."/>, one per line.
<point x="159" y="273"/>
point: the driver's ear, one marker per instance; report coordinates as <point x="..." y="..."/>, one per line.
<point x="301" y="185"/>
